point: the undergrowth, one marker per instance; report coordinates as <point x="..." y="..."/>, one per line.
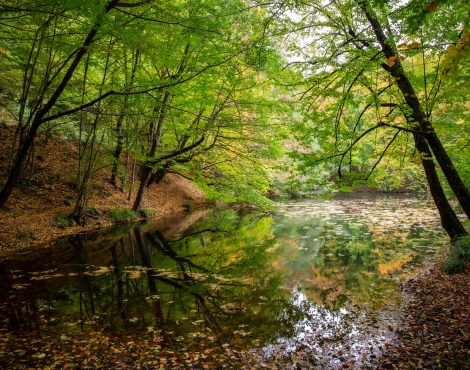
<point x="64" y="221"/>
<point x="146" y="212"/>
<point x="25" y="234"/>
<point x="460" y="255"/>
<point x="122" y="215"/>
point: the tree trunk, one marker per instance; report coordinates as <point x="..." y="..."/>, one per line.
<point x="78" y="213"/>
<point x="449" y="220"/>
<point x="144" y="178"/>
<point x="132" y="181"/>
<point x="147" y="170"/>
<point x="118" y="151"/>
<point x="418" y="117"/>
<point x="18" y="164"/>
<point x="157" y="176"/>
<point x="458" y="187"/>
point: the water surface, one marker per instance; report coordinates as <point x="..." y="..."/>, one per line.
<point x="316" y="281"/>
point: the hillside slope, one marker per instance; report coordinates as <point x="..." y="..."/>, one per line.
<point x="29" y="218"/>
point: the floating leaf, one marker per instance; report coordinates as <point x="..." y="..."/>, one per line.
<point x="153" y="297"/>
<point x="20" y="286"/>
<point x="100" y="271"/>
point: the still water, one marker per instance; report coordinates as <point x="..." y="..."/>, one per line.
<point x="316" y="279"/>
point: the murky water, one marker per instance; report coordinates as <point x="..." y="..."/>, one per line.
<point x="316" y="282"/>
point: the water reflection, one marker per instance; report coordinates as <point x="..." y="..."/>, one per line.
<point x="312" y="278"/>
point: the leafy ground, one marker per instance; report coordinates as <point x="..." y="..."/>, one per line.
<point x="97" y="350"/>
<point x="436" y="332"/>
<point x="30" y="217"/>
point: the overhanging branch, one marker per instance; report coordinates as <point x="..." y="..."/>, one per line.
<point x="176" y="153"/>
<point x="125" y="93"/>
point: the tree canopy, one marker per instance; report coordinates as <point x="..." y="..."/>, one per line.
<point x="245" y="98"/>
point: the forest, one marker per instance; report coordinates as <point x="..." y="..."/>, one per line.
<point x="238" y="184"/>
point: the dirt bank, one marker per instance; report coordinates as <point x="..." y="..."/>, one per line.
<point x="29" y="218"/>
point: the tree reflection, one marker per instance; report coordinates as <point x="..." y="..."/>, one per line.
<point x="235" y="277"/>
<point x="213" y="275"/>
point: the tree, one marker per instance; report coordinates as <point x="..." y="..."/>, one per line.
<point x="48" y="93"/>
<point x="420" y="121"/>
<point x="174" y="79"/>
<point x="356" y="92"/>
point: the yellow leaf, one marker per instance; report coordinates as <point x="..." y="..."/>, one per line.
<point x="5" y="53"/>
<point x="391" y="61"/>
<point x="414" y="45"/>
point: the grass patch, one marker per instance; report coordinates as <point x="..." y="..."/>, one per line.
<point x="146" y="212"/>
<point x="460" y="255"/>
<point x="122" y="215"/>
<point x="25" y="234"/>
<point x="64" y="221"/>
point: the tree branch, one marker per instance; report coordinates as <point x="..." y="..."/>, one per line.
<point x="145" y="91"/>
<point x="176" y="153"/>
<point x="132" y="5"/>
<point x="382" y="155"/>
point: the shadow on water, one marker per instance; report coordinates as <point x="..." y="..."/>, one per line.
<point x="319" y="278"/>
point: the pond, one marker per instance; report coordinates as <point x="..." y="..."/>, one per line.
<point x="316" y="282"/>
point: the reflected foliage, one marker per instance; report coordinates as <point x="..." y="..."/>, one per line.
<point x="246" y="279"/>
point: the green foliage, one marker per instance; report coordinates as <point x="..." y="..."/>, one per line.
<point x="146" y="212"/>
<point x="195" y="69"/>
<point x="214" y="75"/>
<point x="460" y="255"/>
<point x="25" y="234"/>
<point x="121" y="215"/>
<point x="64" y="221"/>
<point x="351" y="112"/>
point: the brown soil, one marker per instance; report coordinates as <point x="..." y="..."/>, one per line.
<point x="29" y="218"/>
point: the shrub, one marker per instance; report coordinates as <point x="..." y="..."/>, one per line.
<point x="460" y="255"/>
<point x="64" y="221"/>
<point x="122" y="215"/>
<point x="25" y="234"/>
<point x="146" y="212"/>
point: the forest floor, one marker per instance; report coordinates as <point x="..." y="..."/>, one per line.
<point x="435" y="333"/>
<point x="30" y="216"/>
